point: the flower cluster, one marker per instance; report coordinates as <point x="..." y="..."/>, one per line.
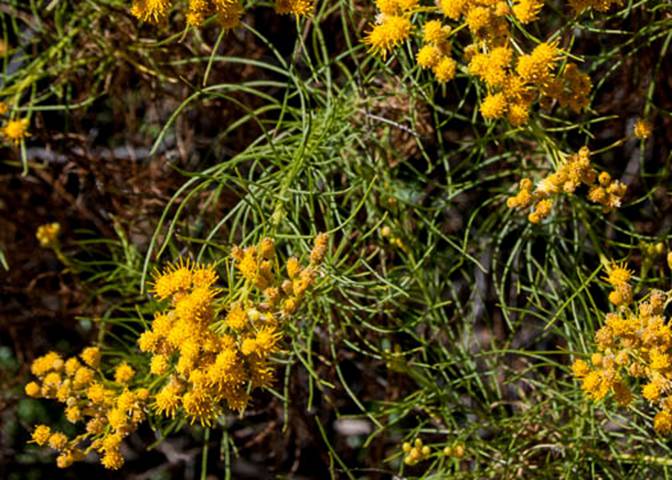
<point x="209" y="351"/>
<point x="634" y="346"/>
<point x="110" y="408"/>
<point x="513" y="81"/>
<point x="228" y="12"/>
<point x="47" y="234"/>
<point x="417" y="451"/>
<point x="618" y="276"/>
<point x="206" y="362"/>
<point x="574" y="172"/>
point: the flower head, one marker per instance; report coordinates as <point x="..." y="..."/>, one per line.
<point x="642" y="129"/>
<point x="47" y="234"/>
<point x="386" y="35"/>
<point x="16" y="130"/>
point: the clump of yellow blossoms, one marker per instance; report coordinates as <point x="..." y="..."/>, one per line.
<point x="513" y="80"/>
<point x="228" y="12"/>
<point x="416" y="451"/>
<point x="207" y="362"/>
<point x="574" y="172"/>
<point x="47" y="234"/>
<point x="392" y="27"/>
<point x="633" y="353"/>
<point x="15" y="130"/>
<point x="110" y="409"/>
<point x="618" y="276"/>
<point x="207" y="353"/>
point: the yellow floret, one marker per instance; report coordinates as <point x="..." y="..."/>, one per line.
<point x="493" y="106"/>
<point x="41" y="434"/>
<point x="434" y="32"/>
<point x="15" y="130"/>
<point x="123" y="373"/>
<point x="32" y="389"/>
<point x="385" y="36"/>
<point x="527" y="11"/>
<point x="452" y="9"/>
<point x="428" y="56"/>
<point x="445" y="70"/>
<point x="91" y="356"/>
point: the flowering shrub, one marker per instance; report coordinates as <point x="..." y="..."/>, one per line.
<point x="475" y="162"/>
<point x="515" y="80"/>
<point x="633" y="352"/>
<point x="202" y="362"/>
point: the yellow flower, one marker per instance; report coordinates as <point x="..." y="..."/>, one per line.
<point x="518" y="114"/>
<point x="428" y="56"/>
<point x="527" y="11"/>
<point x="58" y="441"/>
<point x="195" y="306"/>
<point x="65" y="459"/>
<point x="16" y="130"/>
<point x="47" y="234"/>
<point x="46" y="363"/>
<point x="73" y="414"/>
<point x="123" y="373"/>
<point x="662" y="422"/>
<point x="502" y="9"/>
<point x="652" y="390"/>
<point x="445" y="70"/>
<point x="175" y="278"/>
<point x="295" y="7"/>
<point x="493" y="106"/>
<point x="388" y="7"/>
<point x="618" y="275"/>
<point x="236" y="318"/>
<point x="83" y="376"/>
<point x="478" y="18"/>
<point x="167" y="401"/>
<point x="71" y="366"/>
<point x="117" y="418"/>
<point x="580" y="368"/>
<point x="229" y="17"/>
<point x="642" y="129"/>
<point x="386" y="35"/>
<point x="434" y="32"/>
<point x="150" y="10"/>
<point x="407" y="5"/>
<point x="452" y="9"/>
<point x="159" y="365"/>
<point x="266" y="340"/>
<point x="200" y="407"/>
<point x="112" y="460"/>
<point x="91" y="356"/>
<point x="41" y="434"/>
<point x="32" y="389"/>
<point x="96" y="393"/>
<point x="536" y="66"/>
<point x="126" y="401"/>
<point x="162" y="324"/>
